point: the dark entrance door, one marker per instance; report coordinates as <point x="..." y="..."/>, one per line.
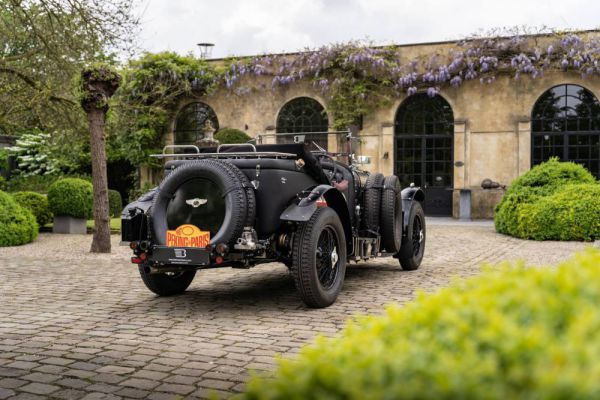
<point x="565" y="123"/>
<point x="424" y="148"/>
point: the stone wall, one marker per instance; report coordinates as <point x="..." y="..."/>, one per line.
<point x="492" y="124"/>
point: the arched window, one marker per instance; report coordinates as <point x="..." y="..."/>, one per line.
<point x="565" y="123"/>
<point x="424" y="149"/>
<point x="193" y="121"/>
<point x="303" y="115"/>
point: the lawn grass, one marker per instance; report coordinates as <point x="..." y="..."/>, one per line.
<point x="115" y="224"/>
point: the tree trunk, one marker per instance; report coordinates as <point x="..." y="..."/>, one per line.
<point x="101" y="238"/>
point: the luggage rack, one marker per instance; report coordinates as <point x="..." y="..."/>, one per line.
<point x="218" y="153"/>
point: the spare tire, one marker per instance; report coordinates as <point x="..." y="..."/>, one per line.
<point x="390" y="217"/>
<point x="221" y="208"/>
<point x="372" y="202"/>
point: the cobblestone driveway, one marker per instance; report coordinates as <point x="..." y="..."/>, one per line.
<point x="73" y="325"/>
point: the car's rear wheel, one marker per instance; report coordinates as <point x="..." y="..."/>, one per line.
<point x="319" y="258"/>
<point x="390" y="218"/>
<point x="413" y="243"/>
<point x="167" y="283"/>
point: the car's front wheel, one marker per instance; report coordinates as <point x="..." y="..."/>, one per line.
<point x="413" y="242"/>
<point x="167" y="283"/>
<point x="319" y="258"/>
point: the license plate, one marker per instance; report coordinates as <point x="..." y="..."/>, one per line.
<point x="180" y="255"/>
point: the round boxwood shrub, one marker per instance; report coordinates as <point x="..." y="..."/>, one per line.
<point x="115" y="203"/>
<point x="17" y="224"/>
<point x="571" y="213"/>
<point x="510" y="333"/>
<point x="231" y="136"/>
<point x="540" y="188"/>
<point x="71" y="196"/>
<point x="36" y="203"/>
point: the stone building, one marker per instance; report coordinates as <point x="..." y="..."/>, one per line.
<point x="447" y="144"/>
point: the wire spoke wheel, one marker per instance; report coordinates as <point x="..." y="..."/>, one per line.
<point x="327" y="257"/>
<point x="417" y="236"/>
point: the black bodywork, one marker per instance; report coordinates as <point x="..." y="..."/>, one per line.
<point x="290" y="183"/>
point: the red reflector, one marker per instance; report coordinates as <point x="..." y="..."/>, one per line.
<point x="133" y="245"/>
<point x="136" y="260"/>
<point x="219" y="260"/>
<point x="143" y="256"/>
<point x="321" y="202"/>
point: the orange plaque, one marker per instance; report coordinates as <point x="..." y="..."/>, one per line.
<point x="188" y="236"/>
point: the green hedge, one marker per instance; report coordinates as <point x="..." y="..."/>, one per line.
<point x="17" y="224"/>
<point x="554" y="201"/>
<point x="36" y="203"/>
<point x="71" y="196"/>
<point x="231" y="136"/>
<point x="510" y="333"/>
<point x="115" y="203"/>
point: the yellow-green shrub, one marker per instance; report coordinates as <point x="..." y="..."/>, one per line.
<point x="17" y="224"/>
<point x="510" y="333"/>
<point x="36" y="203"/>
<point x="550" y="202"/>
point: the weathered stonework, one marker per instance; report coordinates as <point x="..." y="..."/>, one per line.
<point x="492" y="136"/>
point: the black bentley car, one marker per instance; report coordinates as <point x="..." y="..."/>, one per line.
<point x="243" y="205"/>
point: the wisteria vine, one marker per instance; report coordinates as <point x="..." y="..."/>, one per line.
<point x="358" y="78"/>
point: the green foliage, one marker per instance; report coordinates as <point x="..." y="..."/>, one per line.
<point x="231" y="136"/>
<point x="3" y="183"/>
<point x="36" y="203"/>
<point x="3" y="159"/>
<point x="115" y="203"/>
<point x="554" y="201"/>
<point x="31" y="152"/>
<point x="136" y="192"/>
<point x="152" y="87"/>
<point x="71" y="196"/>
<point x="511" y="333"/>
<point x="47" y="42"/>
<point x="571" y="213"/>
<point x="17" y="224"/>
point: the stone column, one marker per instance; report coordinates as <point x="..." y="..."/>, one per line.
<point x="386" y="150"/>
<point x="523" y="146"/>
<point x="461" y="165"/>
<point x="461" y="171"/>
<point x="270" y="135"/>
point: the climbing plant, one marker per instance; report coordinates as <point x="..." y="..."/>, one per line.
<point x="358" y="78"/>
<point x="153" y="85"/>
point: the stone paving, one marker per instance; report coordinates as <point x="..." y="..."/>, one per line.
<point x="75" y="325"/>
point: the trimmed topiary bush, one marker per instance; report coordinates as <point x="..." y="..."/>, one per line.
<point x="36" y="203"/>
<point x="510" y="333"/>
<point x="231" y="136"/>
<point x="17" y="224"/>
<point x="115" y="203"/>
<point x="72" y="197"/>
<point x="554" y="201"/>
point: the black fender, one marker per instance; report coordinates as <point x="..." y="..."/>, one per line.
<point x="410" y="194"/>
<point x="302" y="210"/>
<point x="134" y="220"/>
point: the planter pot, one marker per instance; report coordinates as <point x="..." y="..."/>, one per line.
<point x="68" y="224"/>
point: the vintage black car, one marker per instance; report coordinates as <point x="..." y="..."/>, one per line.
<point x="244" y="205"/>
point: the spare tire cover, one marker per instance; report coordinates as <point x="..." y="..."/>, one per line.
<point x="203" y="193"/>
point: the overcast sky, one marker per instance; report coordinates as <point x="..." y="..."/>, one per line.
<point x="257" y="26"/>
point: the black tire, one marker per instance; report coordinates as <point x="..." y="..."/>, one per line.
<point x="166" y="284"/>
<point x="390" y="217"/>
<point x="318" y="276"/>
<point x="413" y="243"/>
<point x="250" y="195"/>
<point x="372" y="203"/>
<point x="226" y="182"/>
